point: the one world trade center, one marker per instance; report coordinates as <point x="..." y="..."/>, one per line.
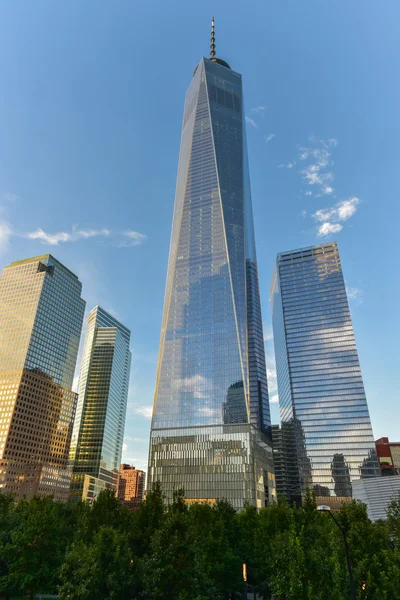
<point x="211" y="429"/>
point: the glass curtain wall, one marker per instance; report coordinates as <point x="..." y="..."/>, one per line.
<point x="211" y="425"/>
<point x="41" y="314"/>
<point x="326" y="429"/>
<point x="96" y="446"/>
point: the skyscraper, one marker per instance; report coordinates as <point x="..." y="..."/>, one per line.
<point x="41" y="314"/>
<point x="211" y="431"/>
<point x="323" y="407"/>
<point x="98" y="432"/>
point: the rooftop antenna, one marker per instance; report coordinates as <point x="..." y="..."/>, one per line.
<point x="212" y="46"/>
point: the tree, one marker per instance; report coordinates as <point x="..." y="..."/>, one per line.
<point x="393" y="519"/>
<point x="7" y="524"/>
<point x="37" y="545"/>
<point x="99" y="569"/>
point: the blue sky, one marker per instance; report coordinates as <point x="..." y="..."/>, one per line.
<point x="90" y="119"/>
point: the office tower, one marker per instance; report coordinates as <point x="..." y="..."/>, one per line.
<point x="388" y="456"/>
<point x="211" y="431"/>
<point x="96" y="445"/>
<point x="41" y="314"/>
<point x="131" y="486"/>
<point x="322" y="401"/>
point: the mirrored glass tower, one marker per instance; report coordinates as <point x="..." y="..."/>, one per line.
<point x="326" y="433"/>
<point x="96" y="445"/>
<point x="211" y="427"/>
<point x="41" y="314"/>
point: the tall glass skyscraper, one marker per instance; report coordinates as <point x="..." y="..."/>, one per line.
<point x="211" y="431"/>
<point x="96" y="445"/>
<point x="41" y="314"/>
<point x="326" y="429"/>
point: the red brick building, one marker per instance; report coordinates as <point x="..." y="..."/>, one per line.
<point x="389" y="456"/>
<point x="131" y="486"/>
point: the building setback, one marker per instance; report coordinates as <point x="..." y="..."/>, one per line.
<point x="131" y="486"/>
<point x="376" y="493"/>
<point x="96" y="445"/>
<point x="326" y="429"/>
<point x="211" y="430"/>
<point x="41" y="314"/>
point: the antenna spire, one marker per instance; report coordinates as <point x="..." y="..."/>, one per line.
<point x="212" y="46"/>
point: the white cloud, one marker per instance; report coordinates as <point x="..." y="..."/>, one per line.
<point x="342" y="211"/>
<point x="273" y="399"/>
<point x="309" y="193"/>
<point x="304" y="153"/>
<point x="312" y="174"/>
<point x="268" y="335"/>
<point x="303" y="213"/>
<point x="144" y="411"/>
<point x="260" y="109"/>
<point x="251" y="122"/>
<point x="347" y="208"/>
<point x="355" y="294"/>
<point x="327" y="190"/>
<point x="53" y="239"/>
<point x="323" y="214"/>
<point x="133" y="238"/>
<point x="124" y="447"/>
<point x="269" y="137"/>
<point x="289" y="165"/>
<point x="328" y="228"/>
<point x="5" y="234"/>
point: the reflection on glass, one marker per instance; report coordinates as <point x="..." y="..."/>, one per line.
<point x="211" y="368"/>
<point x="96" y="445"/>
<point x="321" y="393"/>
<point x="41" y="315"/>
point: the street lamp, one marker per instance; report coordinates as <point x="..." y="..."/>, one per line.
<point x="326" y="508"/>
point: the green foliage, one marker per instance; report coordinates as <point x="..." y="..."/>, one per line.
<point x="183" y="551"/>
<point x="98" y="570"/>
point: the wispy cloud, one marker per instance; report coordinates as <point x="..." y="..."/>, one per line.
<point x="347" y="208"/>
<point x="328" y="228"/>
<point x="53" y="239"/>
<point x="309" y="193"/>
<point x="260" y="110"/>
<point x="269" y="137"/>
<point x="273" y="398"/>
<point x="144" y="411"/>
<point x="251" y="122"/>
<point x="318" y="172"/>
<point x="342" y="211"/>
<point x="132" y="238"/>
<point x="355" y="294"/>
<point x="5" y="234"/>
<point x="268" y="335"/>
<point x="123" y="239"/>
<point x="288" y="165"/>
<point x="8" y="197"/>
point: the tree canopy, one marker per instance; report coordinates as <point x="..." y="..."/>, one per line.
<point x="183" y="551"/>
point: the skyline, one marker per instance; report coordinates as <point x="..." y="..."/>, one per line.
<point x="96" y="245"/>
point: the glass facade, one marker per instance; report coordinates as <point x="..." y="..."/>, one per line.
<point x="326" y="429"/>
<point x="96" y="445"/>
<point x="211" y="389"/>
<point x="41" y="314"/>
